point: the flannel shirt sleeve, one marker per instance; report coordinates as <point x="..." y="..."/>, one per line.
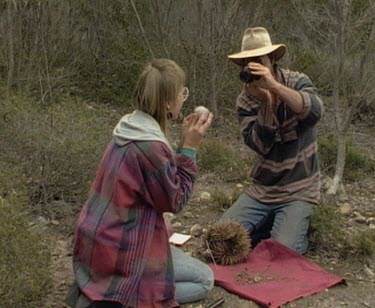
<point x="170" y="183"/>
<point x="313" y="108"/>
<point x="256" y="134"/>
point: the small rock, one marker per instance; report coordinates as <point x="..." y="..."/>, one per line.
<point x="343" y="304"/>
<point x="196" y="230"/>
<point x="55" y="222"/>
<point x="345" y="209"/>
<point x="343" y="197"/>
<point x="350" y="222"/>
<point x="205" y="196"/>
<point x="188" y="215"/>
<point x="368" y="271"/>
<point x="177" y="225"/>
<point x="169" y="216"/>
<point x="370" y="220"/>
<point x="359" y="218"/>
<point x="62" y="244"/>
<point x="366" y="304"/>
<point x="327" y="182"/>
<point x="239" y="186"/>
<point x="41" y="220"/>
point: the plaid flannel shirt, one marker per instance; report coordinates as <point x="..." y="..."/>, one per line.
<point x="121" y="248"/>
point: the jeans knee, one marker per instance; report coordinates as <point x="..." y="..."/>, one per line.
<point x="209" y="280"/>
<point x="299" y="246"/>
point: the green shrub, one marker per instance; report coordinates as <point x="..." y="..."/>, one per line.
<point x="327" y="230"/>
<point x="362" y="244"/>
<point x="222" y="159"/>
<point x="224" y="198"/>
<point x="58" y="146"/>
<point x="25" y="258"/>
<point x="328" y="235"/>
<point x="11" y="179"/>
<point x="357" y="164"/>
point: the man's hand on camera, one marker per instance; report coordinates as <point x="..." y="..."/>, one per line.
<point x="267" y="80"/>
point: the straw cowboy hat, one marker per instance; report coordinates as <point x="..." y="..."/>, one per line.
<point x="257" y="42"/>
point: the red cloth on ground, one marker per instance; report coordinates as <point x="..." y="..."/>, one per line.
<point x="274" y="275"/>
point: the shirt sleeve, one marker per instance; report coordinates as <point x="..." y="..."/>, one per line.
<point x="256" y="134"/>
<point x="169" y="178"/>
<point x="313" y="108"/>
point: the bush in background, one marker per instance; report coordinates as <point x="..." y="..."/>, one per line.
<point x="357" y="164"/>
<point x="58" y="147"/>
<point x="223" y="160"/>
<point x="362" y="244"/>
<point x="25" y="258"/>
<point x="330" y="237"/>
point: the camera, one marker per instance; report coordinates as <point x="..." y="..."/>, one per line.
<point x="245" y="74"/>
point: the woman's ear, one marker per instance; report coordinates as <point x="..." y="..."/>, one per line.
<point x="169" y="114"/>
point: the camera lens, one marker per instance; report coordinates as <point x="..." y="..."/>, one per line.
<point x="246" y="76"/>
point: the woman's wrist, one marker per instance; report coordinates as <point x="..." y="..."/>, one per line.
<point x="189" y="152"/>
<point x="190" y="147"/>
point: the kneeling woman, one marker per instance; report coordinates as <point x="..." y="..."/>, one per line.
<point x="122" y="257"/>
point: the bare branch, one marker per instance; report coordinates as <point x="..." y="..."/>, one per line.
<point x="142" y="29"/>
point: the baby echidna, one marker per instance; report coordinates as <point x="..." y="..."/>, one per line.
<point x="228" y="242"/>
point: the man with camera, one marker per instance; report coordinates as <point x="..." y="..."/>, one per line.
<point x="278" y="110"/>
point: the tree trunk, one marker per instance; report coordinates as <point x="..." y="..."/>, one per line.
<point x="142" y="29"/>
<point x="337" y="102"/>
<point x="213" y="94"/>
<point x="340" y="164"/>
<point x="10" y="47"/>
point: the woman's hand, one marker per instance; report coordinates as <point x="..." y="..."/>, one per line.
<point x="194" y="128"/>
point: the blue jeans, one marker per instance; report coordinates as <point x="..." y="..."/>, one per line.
<point x="286" y="223"/>
<point x="194" y="279"/>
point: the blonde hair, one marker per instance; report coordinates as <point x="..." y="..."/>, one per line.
<point x="158" y="84"/>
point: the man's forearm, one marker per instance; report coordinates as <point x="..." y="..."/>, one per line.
<point x="290" y="96"/>
<point x="267" y="110"/>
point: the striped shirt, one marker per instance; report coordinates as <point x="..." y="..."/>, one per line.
<point x="287" y="168"/>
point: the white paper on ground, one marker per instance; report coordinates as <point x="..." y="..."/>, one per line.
<point x="179" y="239"/>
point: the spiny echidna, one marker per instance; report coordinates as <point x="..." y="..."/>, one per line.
<point x="228" y="242"/>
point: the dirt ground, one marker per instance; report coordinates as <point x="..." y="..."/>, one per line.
<point x="359" y="290"/>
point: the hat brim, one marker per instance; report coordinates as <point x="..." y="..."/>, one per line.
<point x="278" y="50"/>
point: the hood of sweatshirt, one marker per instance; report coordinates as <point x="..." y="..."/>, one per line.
<point x="138" y="126"/>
